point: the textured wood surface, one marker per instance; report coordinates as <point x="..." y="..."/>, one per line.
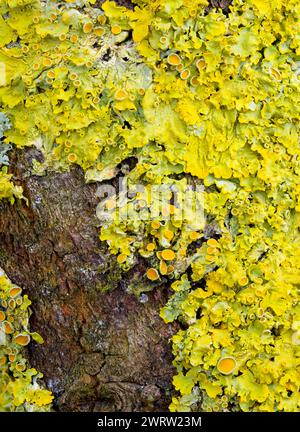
<point x="103" y="350"/>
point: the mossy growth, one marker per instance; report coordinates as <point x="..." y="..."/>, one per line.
<point x="193" y="94"/>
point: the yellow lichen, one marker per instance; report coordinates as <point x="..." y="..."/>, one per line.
<point x="20" y="390"/>
<point x="196" y="97"/>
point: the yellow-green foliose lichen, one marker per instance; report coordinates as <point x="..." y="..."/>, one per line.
<point x="198" y="99"/>
<point x="19" y="386"/>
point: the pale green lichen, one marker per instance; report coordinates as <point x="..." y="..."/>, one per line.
<point x="191" y="94"/>
<point x="7" y="189"/>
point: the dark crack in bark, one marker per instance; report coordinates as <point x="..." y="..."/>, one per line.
<point x="103" y="351"/>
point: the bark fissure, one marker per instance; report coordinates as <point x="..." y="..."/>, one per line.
<point x="104" y="350"/>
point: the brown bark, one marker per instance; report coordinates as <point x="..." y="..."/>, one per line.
<point x="103" y="350"/>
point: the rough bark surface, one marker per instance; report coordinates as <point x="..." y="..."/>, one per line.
<point x="103" y="351"/>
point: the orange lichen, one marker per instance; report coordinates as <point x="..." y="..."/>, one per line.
<point x="200" y="64"/>
<point x="22" y="339"/>
<point x="213" y="242"/>
<point x="182" y="252"/>
<point x="150" y="247"/>
<point x="211" y="250"/>
<point x="163" y="268"/>
<point x="152" y="274"/>
<point x="72" y="157"/>
<point x="99" y="31"/>
<point x="243" y="281"/>
<point x="174" y="59"/>
<point x="121" y="258"/>
<point x="74" y="38"/>
<point x="101" y="19"/>
<point x="116" y="29"/>
<point x="194" y="235"/>
<point x="155" y="224"/>
<point x="226" y="365"/>
<point x="168" y="254"/>
<point x="172" y="209"/>
<point x="11" y="303"/>
<point x="47" y="62"/>
<point x="51" y="74"/>
<point x="14" y="292"/>
<point x="8" y="328"/>
<point x="121" y="94"/>
<point x="168" y="234"/>
<point x="87" y="27"/>
<point x="185" y="74"/>
<point x="171" y="268"/>
<point x="194" y="81"/>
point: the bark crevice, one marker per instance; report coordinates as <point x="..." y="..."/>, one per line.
<point x="104" y="350"/>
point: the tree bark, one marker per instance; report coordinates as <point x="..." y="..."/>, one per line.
<point x="104" y="349"/>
